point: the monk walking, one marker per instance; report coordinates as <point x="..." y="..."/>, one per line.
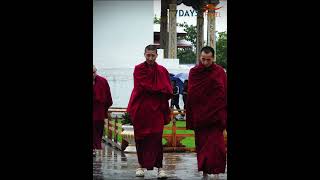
<point x="207" y="112"/>
<point x="149" y="110"/>
<point x="102" y="100"/>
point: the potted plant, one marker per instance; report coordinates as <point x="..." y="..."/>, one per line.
<point x="128" y="142"/>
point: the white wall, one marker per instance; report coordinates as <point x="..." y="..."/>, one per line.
<point x="121" y="30"/>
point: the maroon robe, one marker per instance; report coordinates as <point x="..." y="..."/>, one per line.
<point x="102" y="100"/>
<point x="149" y="110"/>
<point x="207" y="115"/>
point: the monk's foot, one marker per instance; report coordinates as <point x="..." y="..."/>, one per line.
<point x="140" y="172"/>
<point x="205" y="176"/>
<point x="161" y="173"/>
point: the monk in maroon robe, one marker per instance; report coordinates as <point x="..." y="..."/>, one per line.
<point x="149" y="110"/>
<point x="102" y="100"/>
<point x="207" y="112"/>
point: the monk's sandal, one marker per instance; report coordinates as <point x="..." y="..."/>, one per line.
<point x="140" y="172"/>
<point x="161" y="173"/>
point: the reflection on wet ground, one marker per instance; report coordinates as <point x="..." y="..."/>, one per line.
<point x="114" y="164"/>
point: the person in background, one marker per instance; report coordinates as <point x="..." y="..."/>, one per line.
<point x="102" y="101"/>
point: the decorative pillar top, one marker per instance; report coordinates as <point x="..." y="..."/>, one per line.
<point x="198" y="4"/>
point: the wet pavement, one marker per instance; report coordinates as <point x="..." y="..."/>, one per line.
<point x="114" y="164"/>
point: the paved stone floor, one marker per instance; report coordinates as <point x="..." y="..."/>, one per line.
<point x="114" y="164"/>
